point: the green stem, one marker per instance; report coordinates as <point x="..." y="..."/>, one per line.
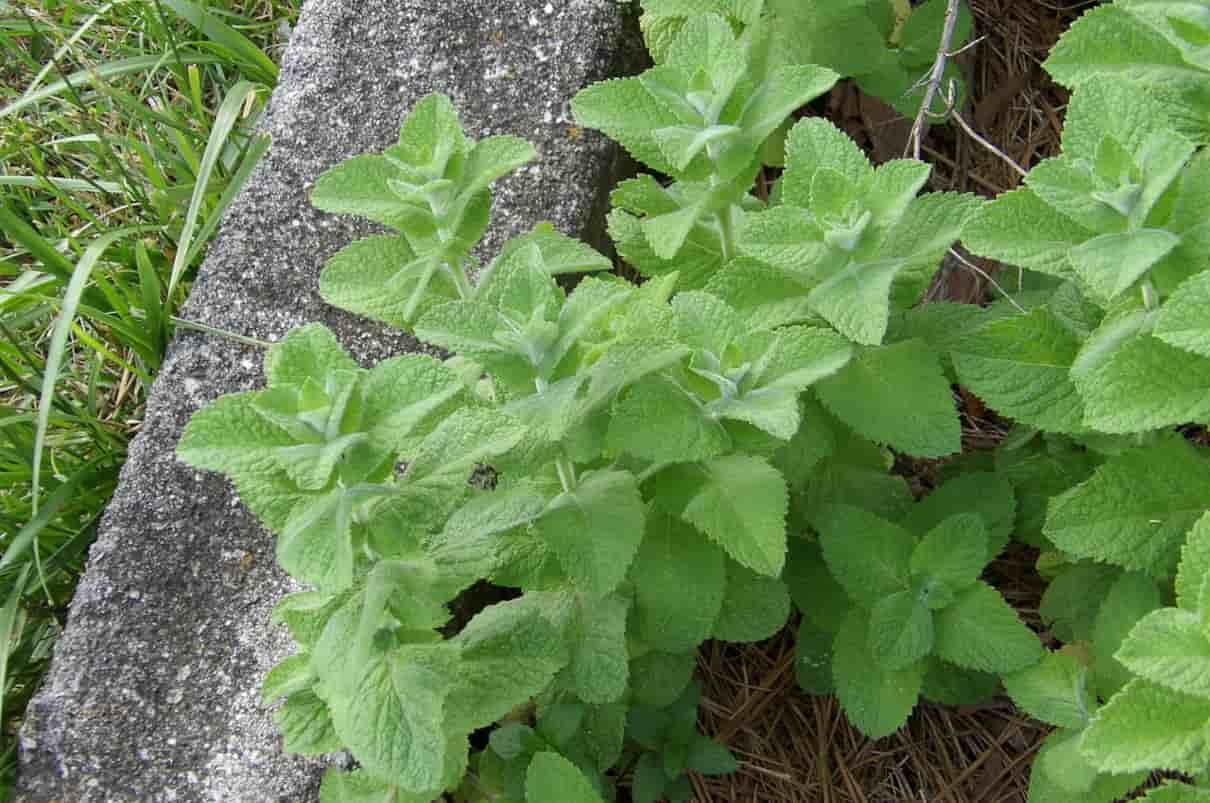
<point x="1151" y="298"/>
<point x="458" y="272"/>
<point x="567" y="473"/>
<point x="726" y="227"/>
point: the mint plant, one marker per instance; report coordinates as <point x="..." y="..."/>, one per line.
<point x="887" y="46"/>
<point x="1159" y="44"/>
<point x="643" y="467"/>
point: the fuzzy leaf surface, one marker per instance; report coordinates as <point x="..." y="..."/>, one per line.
<point x="896" y="395"/>
<point x="1135" y="509"/>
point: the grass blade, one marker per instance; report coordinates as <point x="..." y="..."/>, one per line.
<point x="58" y="342"/>
<point x="254" y="59"/>
<point x="8" y="625"/>
<point x="110" y="69"/>
<point x="224" y="122"/>
<point x="69" y="184"/>
<point x="25" y="236"/>
<point x="66" y="46"/>
<point x="65" y="493"/>
<point x="256" y="149"/>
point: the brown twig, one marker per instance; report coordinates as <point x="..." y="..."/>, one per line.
<point x="935" y="75"/>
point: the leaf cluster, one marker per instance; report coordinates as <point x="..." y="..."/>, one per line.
<point x="648" y="466"/>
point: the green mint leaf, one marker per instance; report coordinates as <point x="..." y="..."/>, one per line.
<point x="658" y="420"/>
<point x="1042" y="469"/>
<point x="1167" y="647"/>
<point x="1062" y="765"/>
<point x="785" y="237"/>
<point x="1070" y="186"/>
<point x="856" y="299"/>
<point x="291" y="674"/>
<point x="709" y="757"/>
<point x="469" y="328"/>
<point x="649" y="779"/>
<point x="707" y="43"/>
<point x="1109" y="42"/>
<point x="910" y="373"/>
<point x="878" y="701"/>
<point x="988" y="495"/>
<point x="1126" y="735"/>
<point x="362" y="186"/>
<point x="740" y="502"/>
<point x="306" y="352"/>
<point x="658" y="678"/>
<point x="679" y="582"/>
<point x="765" y="296"/>
<point x="1056" y="690"/>
<point x="594" y="529"/>
<point x="698" y="259"/>
<point x="360" y="786"/>
<point x="776" y="367"/>
<point x="624" y="110"/>
<point x="1053" y="759"/>
<point x="955" y="685"/>
<point x="491" y="158"/>
<point x="1130" y="598"/>
<point x="791" y="358"/>
<point x="306" y="614"/>
<point x="811" y="444"/>
<point x="597" y="638"/>
<point x="857" y="474"/>
<point x="892" y="188"/>
<point x="468" y="543"/>
<point x="754" y="607"/>
<point x="705" y="323"/>
<point x="560" y="253"/>
<point x="591" y="301"/>
<point x="467" y="437"/>
<point x="230" y="436"/>
<point x="822" y="600"/>
<point x="1111" y="263"/>
<point x="389" y="709"/>
<point x="1020" y="365"/>
<point x="667" y="233"/>
<point x="1194" y="566"/>
<point x="315" y="545"/>
<point x="901" y="630"/>
<point x="1184" y="319"/>
<point x="813" y="655"/>
<point x="815" y="143"/>
<point x="384" y="278"/>
<point x="509" y="652"/>
<point x="403" y="397"/>
<point x="1177" y="792"/>
<point x="306" y="726"/>
<point x="980" y="631"/>
<point x="627" y="363"/>
<point x="785" y="90"/>
<point x="1135" y="509"/>
<point x="1121" y="110"/>
<point x="553" y="779"/>
<point x="869" y="556"/>
<point x="1072" y="600"/>
<point x="1020" y="229"/>
<point x="954" y="552"/>
<point x="430" y="135"/>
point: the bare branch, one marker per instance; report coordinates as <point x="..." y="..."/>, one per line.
<point x="934" y="76"/>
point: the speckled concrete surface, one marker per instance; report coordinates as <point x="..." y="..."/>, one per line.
<point x="153" y="691"/>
